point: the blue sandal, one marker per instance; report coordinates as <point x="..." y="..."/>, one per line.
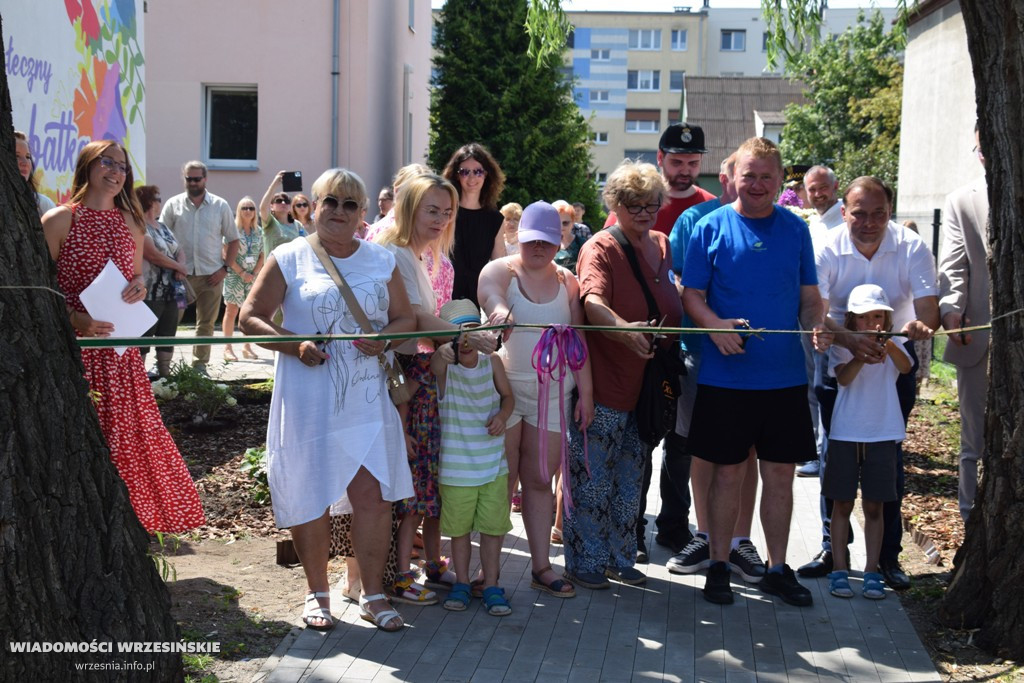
<point x="839" y="584"/>
<point x="873" y="588"/>
<point x="458" y="598"/>
<point x="495" y="602"/>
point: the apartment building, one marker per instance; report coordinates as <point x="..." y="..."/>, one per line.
<point x="630" y="71"/>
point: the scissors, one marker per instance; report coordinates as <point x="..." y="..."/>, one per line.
<point x="745" y="325"/>
<point x="505" y="320"/>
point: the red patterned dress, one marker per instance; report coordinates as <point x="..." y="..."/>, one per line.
<point x="159" y="485"/>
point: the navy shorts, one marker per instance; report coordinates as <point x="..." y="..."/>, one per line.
<point x="727" y="422"/>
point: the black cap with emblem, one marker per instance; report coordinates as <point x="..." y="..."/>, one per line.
<point x="682" y="138"/>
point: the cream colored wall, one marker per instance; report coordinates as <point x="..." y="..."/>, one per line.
<point x="939" y="113"/>
<point x="285" y="49"/>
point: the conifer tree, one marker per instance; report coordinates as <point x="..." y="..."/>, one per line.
<point x="488" y="89"/>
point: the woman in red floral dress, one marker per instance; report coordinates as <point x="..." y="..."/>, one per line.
<point x="102" y="221"/>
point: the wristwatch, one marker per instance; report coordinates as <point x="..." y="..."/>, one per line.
<point x="226" y="269"/>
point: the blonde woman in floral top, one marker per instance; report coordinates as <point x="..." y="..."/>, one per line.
<point x="242" y="272"/>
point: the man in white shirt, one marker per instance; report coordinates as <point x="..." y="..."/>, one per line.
<point x="203" y="224"/>
<point x="874" y="250"/>
<point x="822" y="189"/>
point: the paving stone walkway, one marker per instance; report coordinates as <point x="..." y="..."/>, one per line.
<point x="663" y="631"/>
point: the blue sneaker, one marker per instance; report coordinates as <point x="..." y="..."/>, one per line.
<point x="811" y="468"/>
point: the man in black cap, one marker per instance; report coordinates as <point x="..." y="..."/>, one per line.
<point x="679" y="157"/>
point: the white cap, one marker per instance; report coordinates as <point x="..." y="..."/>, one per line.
<point x="866" y="298"/>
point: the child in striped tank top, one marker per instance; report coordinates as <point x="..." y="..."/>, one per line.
<point x="475" y="400"/>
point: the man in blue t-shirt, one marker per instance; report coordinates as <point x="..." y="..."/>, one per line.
<point x="752" y="261"/>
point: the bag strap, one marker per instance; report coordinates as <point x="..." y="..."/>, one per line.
<point x="620" y="237"/>
<point x="346" y="292"/>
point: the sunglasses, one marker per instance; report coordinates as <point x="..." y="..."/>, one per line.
<point x="649" y="208"/>
<point x="301" y="205"/>
<point x="194" y="179"/>
<point x="466" y="172"/>
<point x="281" y="200"/>
<point x="157" y="200"/>
<point x="110" y="164"/>
<point x="331" y="204"/>
<point x="248" y="208"/>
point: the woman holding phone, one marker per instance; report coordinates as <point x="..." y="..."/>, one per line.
<point x="275" y="213"/>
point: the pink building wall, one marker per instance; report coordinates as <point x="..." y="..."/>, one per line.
<point x="285" y="50"/>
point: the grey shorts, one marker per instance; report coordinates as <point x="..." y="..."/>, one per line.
<point x="872" y="465"/>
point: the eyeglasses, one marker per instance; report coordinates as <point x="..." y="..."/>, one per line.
<point x="565" y="223"/>
<point x="281" y="200"/>
<point x="157" y="199"/>
<point x="466" y="172"/>
<point x="111" y="165"/>
<point x="301" y="205"/>
<point x="434" y="213"/>
<point x="649" y="208"/>
<point x="331" y="204"/>
<point x="248" y="208"/>
<point x="194" y="179"/>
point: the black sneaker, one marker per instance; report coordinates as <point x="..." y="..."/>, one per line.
<point x="745" y="561"/>
<point x="641" y="550"/>
<point x="693" y="558"/>
<point x="716" y="587"/>
<point x="674" y="541"/>
<point x="785" y="586"/>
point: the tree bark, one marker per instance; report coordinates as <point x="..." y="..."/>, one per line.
<point x="73" y="557"/>
<point x="986" y="590"/>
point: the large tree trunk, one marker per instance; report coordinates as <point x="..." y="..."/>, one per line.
<point x="73" y="562"/>
<point x="987" y="591"/>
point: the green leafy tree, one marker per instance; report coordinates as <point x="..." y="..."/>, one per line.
<point x="489" y="89"/>
<point x="854" y="83"/>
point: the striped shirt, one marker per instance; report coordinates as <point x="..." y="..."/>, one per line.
<point x="469" y="455"/>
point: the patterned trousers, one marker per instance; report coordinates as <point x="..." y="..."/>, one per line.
<point x="600" y="532"/>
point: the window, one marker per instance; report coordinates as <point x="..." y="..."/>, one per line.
<point x="231" y="126"/>
<point x="601" y="55"/>
<point x="600" y="177"/>
<point x="643" y="79"/>
<point x="734" y="41"/>
<point x="676" y="80"/>
<point x="601" y="138"/>
<point x="598" y="95"/>
<point x="634" y="126"/>
<point x="645" y="39"/>
<point x="679" y="40"/>
<point x="764" y="42"/>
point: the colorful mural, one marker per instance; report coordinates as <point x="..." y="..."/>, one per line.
<point x="76" y="70"/>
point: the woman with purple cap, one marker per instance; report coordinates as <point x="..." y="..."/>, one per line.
<point x="539" y="292"/>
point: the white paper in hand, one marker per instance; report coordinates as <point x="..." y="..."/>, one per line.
<point x="102" y="301"/>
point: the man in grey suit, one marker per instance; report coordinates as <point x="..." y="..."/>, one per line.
<point x="964" y="284"/>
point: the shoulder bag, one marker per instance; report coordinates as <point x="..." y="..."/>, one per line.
<point x="655" y="409"/>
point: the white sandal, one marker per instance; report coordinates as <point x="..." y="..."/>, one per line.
<point x="382" y="619"/>
<point x="315" y="611"/>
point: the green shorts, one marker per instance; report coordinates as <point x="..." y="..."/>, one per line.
<point x="476" y="508"/>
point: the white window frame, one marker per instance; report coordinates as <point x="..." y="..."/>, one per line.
<point x="601" y="177"/>
<point x="602" y="96"/>
<point x="601" y="55"/>
<point x="682" y="75"/>
<point x="637" y="126"/>
<point x="209" y="90"/>
<point x="649" y="77"/>
<point x="679" y="45"/>
<point x="600" y="137"/>
<point x="732" y="33"/>
<point x="637" y="35"/>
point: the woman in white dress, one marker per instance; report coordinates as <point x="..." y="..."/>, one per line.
<point x="345" y="450"/>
